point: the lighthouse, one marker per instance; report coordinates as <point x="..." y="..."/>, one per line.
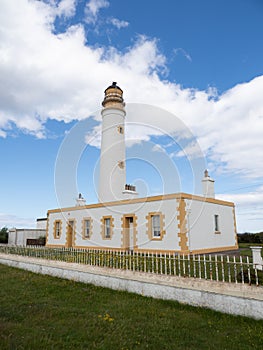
<point x="112" y="183"/>
<point x="181" y="223"/>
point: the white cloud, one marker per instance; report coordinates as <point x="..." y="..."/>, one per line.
<point x="66" y="8"/>
<point x="252" y="197"/>
<point x="191" y="151"/>
<point x="183" y="52"/>
<point x="3" y="134"/>
<point x="158" y="148"/>
<point x="58" y="76"/>
<point x="249" y="208"/>
<point x="11" y="220"/>
<point x="119" y="23"/>
<point x="92" y="9"/>
<point x="93" y="137"/>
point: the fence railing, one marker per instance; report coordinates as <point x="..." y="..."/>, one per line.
<point x="223" y="268"/>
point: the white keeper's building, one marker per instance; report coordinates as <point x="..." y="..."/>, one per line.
<point x="121" y="220"/>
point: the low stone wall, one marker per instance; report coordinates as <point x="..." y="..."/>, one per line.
<point x="236" y="299"/>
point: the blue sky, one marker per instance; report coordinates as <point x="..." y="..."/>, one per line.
<point x="201" y="62"/>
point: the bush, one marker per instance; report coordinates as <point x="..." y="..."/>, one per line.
<point x="250" y="237"/>
<point x="4" y="235"/>
<point x="252" y="277"/>
<point x="42" y="240"/>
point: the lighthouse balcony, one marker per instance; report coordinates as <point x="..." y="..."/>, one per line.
<point x="130" y="189"/>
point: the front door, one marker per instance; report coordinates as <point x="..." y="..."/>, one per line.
<point x="128" y="233"/>
<point x="70" y="231"/>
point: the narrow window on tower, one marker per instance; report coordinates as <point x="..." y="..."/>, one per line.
<point x="121" y="129"/>
<point x="121" y="164"/>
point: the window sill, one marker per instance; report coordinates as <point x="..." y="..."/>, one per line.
<point x="157" y="238"/>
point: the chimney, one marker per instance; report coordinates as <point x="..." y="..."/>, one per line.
<point x="80" y="201"/>
<point x="208" y="186"/>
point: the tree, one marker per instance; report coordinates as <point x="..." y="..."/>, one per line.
<point x="250" y="237"/>
<point x="42" y="240"/>
<point x="4" y="235"/>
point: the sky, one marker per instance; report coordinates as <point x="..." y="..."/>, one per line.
<point x="192" y="76"/>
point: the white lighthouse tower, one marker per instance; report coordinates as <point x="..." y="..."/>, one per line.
<point x="112" y="185"/>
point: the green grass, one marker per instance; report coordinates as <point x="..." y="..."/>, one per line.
<point x="42" y="312"/>
<point x="245" y="249"/>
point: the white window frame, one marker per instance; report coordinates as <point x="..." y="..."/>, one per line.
<point x="156" y="228"/>
<point x="107" y="228"/>
<point x="87" y="228"/>
<point x="57" y="229"/>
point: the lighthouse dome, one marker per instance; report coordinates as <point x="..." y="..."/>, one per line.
<point x="113" y="97"/>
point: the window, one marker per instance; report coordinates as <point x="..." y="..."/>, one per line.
<point x="156" y="229"/>
<point x="216" y="223"/>
<point x="121" y="129"/>
<point x="57" y="229"/>
<point x="87" y="228"/>
<point x="107" y="227"/>
<point x="121" y="164"/>
<point x="155" y="226"/>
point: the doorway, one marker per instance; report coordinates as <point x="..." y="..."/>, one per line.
<point x="70" y="232"/>
<point x="128" y="232"/>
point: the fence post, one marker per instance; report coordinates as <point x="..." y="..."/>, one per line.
<point x="257" y="258"/>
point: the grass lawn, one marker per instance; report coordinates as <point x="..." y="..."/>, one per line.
<point x="245" y="249"/>
<point x="42" y="312"/>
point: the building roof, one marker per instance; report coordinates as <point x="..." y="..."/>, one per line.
<point x="147" y="199"/>
<point x="113" y="86"/>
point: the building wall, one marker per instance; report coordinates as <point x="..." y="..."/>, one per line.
<point x="19" y="236"/>
<point x="201" y="220"/>
<point x="188" y="224"/>
<point x="140" y="213"/>
<point x="112" y="158"/>
<point x="42" y="223"/>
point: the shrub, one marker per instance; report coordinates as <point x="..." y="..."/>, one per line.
<point x="4" y="235"/>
